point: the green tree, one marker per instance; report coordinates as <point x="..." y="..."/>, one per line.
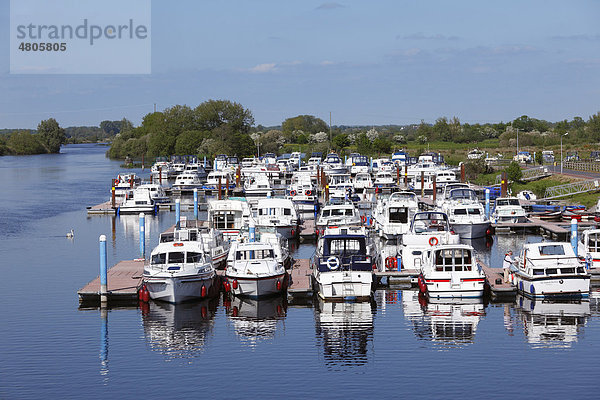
<point x="539" y="158"/>
<point x="189" y="142"/>
<point x="51" y="135"/>
<point x="214" y="113"/>
<point x="441" y="129"/>
<point x="513" y="172"/>
<point x="342" y="140"/>
<point x="382" y="145"/>
<point x="308" y="124"/>
<point x="160" y="144"/>
<point x="363" y="144"/>
<point x="23" y="142"/>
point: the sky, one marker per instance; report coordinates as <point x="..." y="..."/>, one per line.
<point x="365" y="62"/>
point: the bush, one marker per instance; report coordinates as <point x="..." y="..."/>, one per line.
<point x="513" y="172"/>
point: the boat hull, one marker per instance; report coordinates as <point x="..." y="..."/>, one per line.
<point x="181" y="289"/>
<point x="559" y="286"/>
<point x="473" y="230"/>
<point x="342" y="285"/>
<point x="257" y="287"/>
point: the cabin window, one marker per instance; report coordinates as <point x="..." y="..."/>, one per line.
<point x="567" y="270"/>
<point x="594" y="242"/>
<point x="537" y="271"/>
<point x="474" y="211"/>
<point x="176" y="257"/>
<point x="224" y="220"/>
<point x="460" y="211"/>
<point x="160" y="258"/>
<point x="192" y="257"/>
<point x="260" y="254"/>
<point x="345" y="246"/>
<point x="453" y="260"/>
<point x="326" y="213"/>
<point x="551" y="271"/>
<point x="399" y="214"/>
<point x="552" y="250"/>
<point x="287" y="211"/>
<point x="580" y="270"/>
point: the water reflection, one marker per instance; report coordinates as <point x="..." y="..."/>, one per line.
<point x="178" y="330"/>
<point x="552" y="323"/>
<point x="130" y="224"/>
<point x="344" y="331"/>
<point x="445" y="322"/>
<point x="104" y="342"/>
<point x="256" y="319"/>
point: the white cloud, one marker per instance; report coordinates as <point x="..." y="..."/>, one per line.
<point x="262" y="68"/>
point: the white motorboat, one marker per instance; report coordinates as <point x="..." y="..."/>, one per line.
<point x="383" y="164"/>
<point x="589" y="247"/>
<point x="137" y="201"/>
<point x="362" y="181"/>
<point x="123" y="184"/>
<point x="550" y="269"/>
<point x="303" y="192"/>
<point x="340" y="215"/>
<point x="508" y="209"/>
<point x="215" y="246"/>
<point x="445" y="195"/>
<point x="444" y="177"/>
<point x="187" y="180"/>
<point x="357" y="164"/>
<point x="257" y="185"/>
<point x="340" y="185"/>
<point x="394" y="215"/>
<point x="213" y="177"/>
<point x="527" y="195"/>
<point x="384" y="179"/>
<point x="156" y="192"/>
<point x="162" y="170"/>
<point x="475" y="154"/>
<point x="343" y="263"/>
<point x="333" y="164"/>
<point x="451" y="271"/>
<point x="180" y="271"/>
<point x="196" y="168"/>
<point x="466" y="214"/>
<point x="427" y="229"/>
<point x="220" y="163"/>
<point x="229" y="216"/>
<point x="252" y="270"/>
<point x="280" y="214"/>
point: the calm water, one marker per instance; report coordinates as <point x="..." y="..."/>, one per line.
<point x="395" y="346"/>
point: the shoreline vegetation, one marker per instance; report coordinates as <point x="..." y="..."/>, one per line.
<point x="222" y="126"/>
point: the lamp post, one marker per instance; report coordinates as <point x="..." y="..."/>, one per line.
<point x="561" y="154"/>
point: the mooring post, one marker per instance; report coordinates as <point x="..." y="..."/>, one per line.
<point x="195" y="203"/>
<point x="316" y="211"/>
<point x="227" y="186"/>
<point x="406" y="176"/>
<point x="462" y="173"/>
<point x="399" y="262"/>
<point x="142" y="236"/>
<point x="219" y="193"/>
<point x="574" y="232"/>
<point x="398" y="175"/>
<point x="114" y="202"/>
<point x="503" y="184"/>
<point x="487" y="203"/>
<point x="434" y="187"/>
<point x="252" y="232"/>
<point x="177" y="212"/>
<point x="160" y="176"/>
<point x="204" y="162"/>
<point x="103" y="271"/>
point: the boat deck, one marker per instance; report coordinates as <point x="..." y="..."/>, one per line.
<point x="103" y="208"/>
<point x="123" y="282"/>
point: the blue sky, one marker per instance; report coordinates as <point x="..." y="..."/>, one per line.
<point x="366" y="62"/>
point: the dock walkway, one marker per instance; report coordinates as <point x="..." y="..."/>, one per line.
<point x="495" y="279"/>
<point x="300" y="279"/>
<point x="123" y="281"/>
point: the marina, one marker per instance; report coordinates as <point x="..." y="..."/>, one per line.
<point x="354" y="336"/>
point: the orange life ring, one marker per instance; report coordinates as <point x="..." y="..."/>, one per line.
<point x="308" y="193"/>
<point x="390" y="263"/>
<point x="433" y="241"/>
<point x="363" y="218"/>
<point x="292" y="192"/>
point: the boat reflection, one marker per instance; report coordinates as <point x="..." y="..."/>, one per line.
<point x="444" y="322"/>
<point x="345" y="332"/>
<point x="178" y="330"/>
<point x="256" y="319"/>
<point x="131" y="226"/>
<point x="552" y="323"/>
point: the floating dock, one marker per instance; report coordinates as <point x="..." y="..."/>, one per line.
<point x="105" y="208"/>
<point x="300" y="279"/>
<point x="123" y="282"/>
<point x="495" y="280"/>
